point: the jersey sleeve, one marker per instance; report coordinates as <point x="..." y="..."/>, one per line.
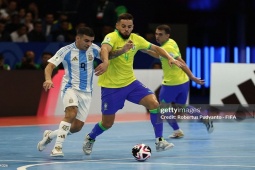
<point x="57" y="58"/>
<point x="96" y="51"/>
<point x="109" y="39"/>
<point x="143" y="44"/>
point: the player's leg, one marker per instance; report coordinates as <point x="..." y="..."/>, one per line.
<point x="78" y="123"/>
<point x="99" y="128"/>
<point x="64" y="127"/>
<point x="191" y="110"/>
<point x="144" y="96"/>
<point x="167" y="96"/>
<point x="112" y="101"/>
<point x="70" y="103"/>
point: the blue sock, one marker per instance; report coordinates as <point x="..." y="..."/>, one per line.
<point x="157" y="123"/>
<point x="173" y="123"/>
<point x="97" y="130"/>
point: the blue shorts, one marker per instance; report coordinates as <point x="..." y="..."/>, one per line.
<point x="177" y="94"/>
<point x="113" y="99"/>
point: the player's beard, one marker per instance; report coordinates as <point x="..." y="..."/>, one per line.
<point x="124" y="36"/>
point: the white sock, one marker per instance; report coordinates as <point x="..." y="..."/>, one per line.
<point x="54" y="134"/>
<point x="64" y="128"/>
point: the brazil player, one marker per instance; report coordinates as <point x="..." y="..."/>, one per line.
<point x="119" y="83"/>
<point x="76" y="90"/>
<point x="175" y="84"/>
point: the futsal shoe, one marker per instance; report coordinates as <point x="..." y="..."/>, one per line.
<point x="209" y="125"/>
<point x="177" y="134"/>
<point x="88" y="145"/>
<point x="45" y="141"/>
<point x="163" y="145"/>
<point x="57" y="152"/>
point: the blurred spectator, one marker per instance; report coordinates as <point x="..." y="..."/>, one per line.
<point x="10" y="9"/>
<point x="3" y="4"/>
<point x="33" y="8"/>
<point x="105" y="18"/>
<point x="22" y="15"/>
<point x="121" y="9"/>
<point x="13" y="24"/>
<point x="20" y="35"/>
<point x="156" y="65"/>
<point x="62" y="17"/>
<point x="3" y="65"/>
<point x="36" y="35"/>
<point x="48" y="26"/>
<point x="45" y="57"/>
<point x="29" y="21"/>
<point x="28" y="62"/>
<point x="4" y="36"/>
<point x="63" y="34"/>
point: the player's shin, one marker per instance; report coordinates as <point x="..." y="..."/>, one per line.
<point x="97" y="130"/>
<point x="156" y="122"/>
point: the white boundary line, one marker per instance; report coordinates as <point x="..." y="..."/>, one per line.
<point x="100" y="161"/>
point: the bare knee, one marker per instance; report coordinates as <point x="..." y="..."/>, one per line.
<point x="150" y="102"/>
<point x="70" y="113"/>
<point x="108" y="121"/>
<point x="107" y="125"/>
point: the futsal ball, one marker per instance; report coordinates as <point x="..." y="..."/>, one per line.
<point x="141" y="152"/>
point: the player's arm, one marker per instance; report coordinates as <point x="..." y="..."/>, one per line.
<point x="151" y="53"/>
<point x="104" y="54"/>
<point x="47" y="74"/>
<point x="124" y="49"/>
<point x="164" y="54"/>
<point x="186" y="69"/>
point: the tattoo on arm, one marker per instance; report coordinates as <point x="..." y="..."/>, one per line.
<point x="115" y="54"/>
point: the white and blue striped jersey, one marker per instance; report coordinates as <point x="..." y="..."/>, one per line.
<point x="78" y="65"/>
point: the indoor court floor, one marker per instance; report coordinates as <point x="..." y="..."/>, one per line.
<point x="229" y="147"/>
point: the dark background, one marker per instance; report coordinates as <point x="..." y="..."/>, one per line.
<point x="210" y="22"/>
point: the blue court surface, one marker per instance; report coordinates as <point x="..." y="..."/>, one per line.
<point x="230" y="147"/>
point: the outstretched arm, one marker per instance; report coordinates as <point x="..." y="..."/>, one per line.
<point x="151" y="53"/>
<point x="186" y="69"/>
<point x="160" y="51"/>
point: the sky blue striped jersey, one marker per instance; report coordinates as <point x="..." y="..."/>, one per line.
<point x="78" y="65"/>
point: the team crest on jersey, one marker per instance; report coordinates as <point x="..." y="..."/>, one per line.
<point x="75" y="58"/>
<point x="133" y="48"/>
<point x="107" y="39"/>
<point x="56" y="58"/>
<point x="90" y="57"/>
<point x="105" y="106"/>
<point x="70" y="100"/>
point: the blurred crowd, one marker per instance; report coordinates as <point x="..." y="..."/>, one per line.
<point x="55" y="21"/>
<point x="52" y="21"/>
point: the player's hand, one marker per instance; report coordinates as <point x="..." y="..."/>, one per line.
<point x="101" y="68"/>
<point x="198" y="80"/>
<point x="128" y="46"/>
<point x="48" y="84"/>
<point x="176" y="62"/>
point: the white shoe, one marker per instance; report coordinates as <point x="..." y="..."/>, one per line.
<point x="177" y="134"/>
<point x="57" y="152"/>
<point x="163" y="145"/>
<point x="45" y="141"/>
<point x="88" y="145"/>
